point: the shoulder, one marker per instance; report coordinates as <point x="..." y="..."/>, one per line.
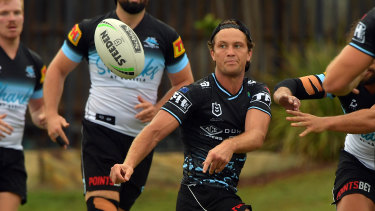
<point x="159" y="24"/>
<point x="35" y="57"/>
<point x="255" y="85"/>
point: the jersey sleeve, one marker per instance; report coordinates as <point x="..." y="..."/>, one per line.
<point x="364" y="34"/>
<point x="176" y="58"/>
<point x="260" y="97"/>
<point x="40" y="72"/>
<point x="306" y="87"/>
<point x="183" y="102"/>
<point x="77" y="42"/>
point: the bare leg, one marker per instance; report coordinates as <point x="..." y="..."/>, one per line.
<point x="355" y="202"/>
<point x="9" y="201"/>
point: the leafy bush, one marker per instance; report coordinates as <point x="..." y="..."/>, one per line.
<point x="282" y="137"/>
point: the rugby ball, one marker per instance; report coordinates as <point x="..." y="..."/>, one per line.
<point x="119" y="48"/>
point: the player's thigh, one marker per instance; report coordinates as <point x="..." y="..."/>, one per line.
<point x="9" y="201"/>
<point x="355" y="202"/>
<point x="109" y="194"/>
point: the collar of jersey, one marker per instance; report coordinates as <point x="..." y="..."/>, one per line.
<point x="230" y="96"/>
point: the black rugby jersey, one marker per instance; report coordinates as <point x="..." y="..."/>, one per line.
<point x="364" y="34"/>
<point x="21" y="79"/>
<point x="209" y="114"/>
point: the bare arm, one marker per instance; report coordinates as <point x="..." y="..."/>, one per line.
<point x="284" y="97"/>
<point x="57" y="71"/>
<point x="178" y="80"/>
<point x="358" y="122"/>
<point x="344" y="72"/>
<point x="36" y="109"/>
<point x="161" y="126"/>
<point x="256" y="128"/>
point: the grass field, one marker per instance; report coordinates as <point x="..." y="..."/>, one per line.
<point x="306" y="190"/>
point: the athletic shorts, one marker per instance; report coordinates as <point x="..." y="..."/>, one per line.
<point x="101" y="149"/>
<point x="12" y="172"/>
<point x="203" y="197"/>
<point x="353" y="177"/>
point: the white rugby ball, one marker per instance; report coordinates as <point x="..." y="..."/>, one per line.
<point x="119" y="48"/>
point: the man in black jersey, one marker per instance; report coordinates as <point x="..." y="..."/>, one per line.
<point x="21" y="81"/>
<point x="223" y="116"/>
<point x="117" y="109"/>
<point x="353" y="187"/>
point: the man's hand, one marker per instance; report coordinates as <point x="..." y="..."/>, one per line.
<point x="55" y="125"/>
<point x="218" y="157"/>
<point x="148" y="110"/>
<point x="289" y="102"/>
<point x="4" y="127"/>
<point x="121" y="173"/>
<point x="311" y="122"/>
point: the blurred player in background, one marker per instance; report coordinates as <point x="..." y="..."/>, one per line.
<point x="223" y="116"/>
<point x="117" y="109"/>
<point x="21" y="81"/>
<point x="356" y="169"/>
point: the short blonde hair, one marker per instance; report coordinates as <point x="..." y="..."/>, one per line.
<point x="7" y="1"/>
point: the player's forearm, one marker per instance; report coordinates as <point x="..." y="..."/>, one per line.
<point x="246" y="142"/>
<point x="361" y="121"/>
<point x="280" y="92"/>
<point x="52" y="91"/>
<point x="142" y="145"/>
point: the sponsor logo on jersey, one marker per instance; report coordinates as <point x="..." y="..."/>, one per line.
<point x="180" y="101"/>
<point x="111" y="46"/>
<point x="211" y="130"/>
<point x="43" y="74"/>
<point x="30" y="73"/>
<point x="8" y="95"/>
<point x="216" y="109"/>
<point x="262" y="97"/>
<point x="205" y="84"/>
<point x="133" y="38"/>
<point x="178" y="47"/>
<point x="184" y="89"/>
<point x="360" y="32"/>
<point x="353" y="105"/>
<point x="75" y="35"/>
<point x="151" y="42"/>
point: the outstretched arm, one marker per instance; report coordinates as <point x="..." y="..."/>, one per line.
<point x="284" y="97"/>
<point x="361" y="121"/>
<point x="161" y="126"/>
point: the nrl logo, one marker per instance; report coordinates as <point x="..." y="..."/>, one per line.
<point x="216" y="109"/>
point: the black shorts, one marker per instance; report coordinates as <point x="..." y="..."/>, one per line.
<point x="12" y="172"/>
<point x="101" y="149"/>
<point x="353" y="177"/>
<point x="203" y="197"/>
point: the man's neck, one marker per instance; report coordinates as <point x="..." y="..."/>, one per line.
<point x="231" y="84"/>
<point x="10" y="46"/>
<point x="132" y="20"/>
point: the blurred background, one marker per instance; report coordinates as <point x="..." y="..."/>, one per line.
<point x="292" y="38"/>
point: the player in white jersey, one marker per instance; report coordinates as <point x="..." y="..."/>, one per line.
<point x="117" y="109"/>
<point x="21" y="81"/>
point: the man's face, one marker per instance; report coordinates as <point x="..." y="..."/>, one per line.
<point x="11" y="19"/>
<point x="133" y="6"/>
<point x="369" y="77"/>
<point x="230" y="52"/>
